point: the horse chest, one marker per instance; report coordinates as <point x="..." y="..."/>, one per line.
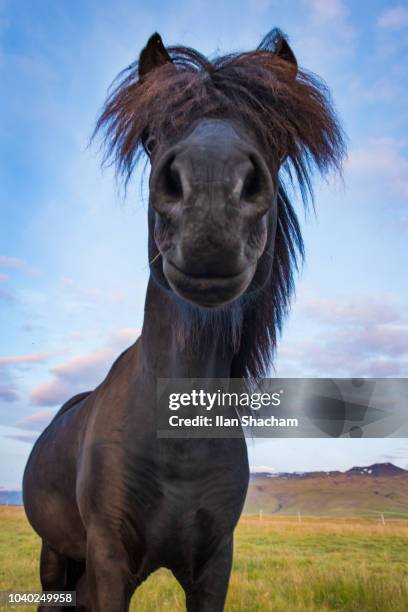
<point x="183" y="494"/>
<point x="179" y="475"/>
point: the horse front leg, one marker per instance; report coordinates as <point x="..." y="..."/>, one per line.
<point x="209" y="591"/>
<point x="53" y="569"/>
<point x="107" y="574"/>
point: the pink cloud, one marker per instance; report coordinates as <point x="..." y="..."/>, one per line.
<point x="77" y="374"/>
<point x="19" y="359"/>
<point x="51" y="393"/>
<point x="124" y="337"/>
<point x="383" y="340"/>
<point x="36" y="421"/>
<point x="361" y="337"/>
<point x="358" y="310"/>
<point x="332" y="358"/>
<point x="82" y="372"/>
<point x="28" y="438"/>
<point x="83" y="366"/>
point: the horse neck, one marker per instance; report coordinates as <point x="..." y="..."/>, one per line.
<point x="170" y="351"/>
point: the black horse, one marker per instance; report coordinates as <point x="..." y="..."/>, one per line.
<point x="111" y="500"/>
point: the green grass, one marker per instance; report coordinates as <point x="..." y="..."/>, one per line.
<point x="280" y="565"/>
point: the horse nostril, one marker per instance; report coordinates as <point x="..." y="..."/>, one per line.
<point x="171" y="184"/>
<point x="254" y="183"/>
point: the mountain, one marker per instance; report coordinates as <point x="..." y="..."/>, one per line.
<point x="381" y="488"/>
<point x="376" y="470"/>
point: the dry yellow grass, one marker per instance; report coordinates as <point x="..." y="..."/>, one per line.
<point x="280" y="565"/>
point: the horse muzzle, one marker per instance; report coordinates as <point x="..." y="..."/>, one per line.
<point x="207" y="290"/>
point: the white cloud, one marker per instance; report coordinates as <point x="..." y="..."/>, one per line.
<point x="361" y="336"/>
<point x="393" y="18"/>
<point x="327" y="10"/>
<point x="378" y="309"/>
<point x="326" y="40"/>
<point x="383" y="160"/>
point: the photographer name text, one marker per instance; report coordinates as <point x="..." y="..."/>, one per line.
<point x="221" y="421"/>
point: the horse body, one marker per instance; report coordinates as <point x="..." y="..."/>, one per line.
<point x="123" y="497"/>
<point x="110" y="499"/>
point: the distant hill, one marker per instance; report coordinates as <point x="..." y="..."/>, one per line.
<point x="377" y="470"/>
<point x="381" y="488"/>
<point x="10" y="497"/>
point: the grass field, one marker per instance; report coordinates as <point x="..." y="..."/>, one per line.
<point x="280" y="565"/>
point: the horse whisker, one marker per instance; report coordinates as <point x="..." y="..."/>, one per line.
<point x="154" y="258"/>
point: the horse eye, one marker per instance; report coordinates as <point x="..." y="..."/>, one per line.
<point x="149" y="145"/>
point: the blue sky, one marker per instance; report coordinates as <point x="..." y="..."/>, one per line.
<point x="73" y="266"/>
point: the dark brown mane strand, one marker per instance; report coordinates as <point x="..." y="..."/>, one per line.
<point x="263" y="319"/>
<point x="291" y="116"/>
<point x="293" y="120"/>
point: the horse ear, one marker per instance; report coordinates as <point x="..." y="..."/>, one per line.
<point x="276" y="42"/>
<point x="284" y="51"/>
<point x="153" y="55"/>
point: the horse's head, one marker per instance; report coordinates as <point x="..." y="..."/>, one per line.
<point x="220" y="136"/>
<point x="213" y="188"/>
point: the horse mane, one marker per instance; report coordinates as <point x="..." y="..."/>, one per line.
<point x="295" y="124"/>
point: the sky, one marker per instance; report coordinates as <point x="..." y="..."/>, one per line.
<point x="73" y="250"/>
